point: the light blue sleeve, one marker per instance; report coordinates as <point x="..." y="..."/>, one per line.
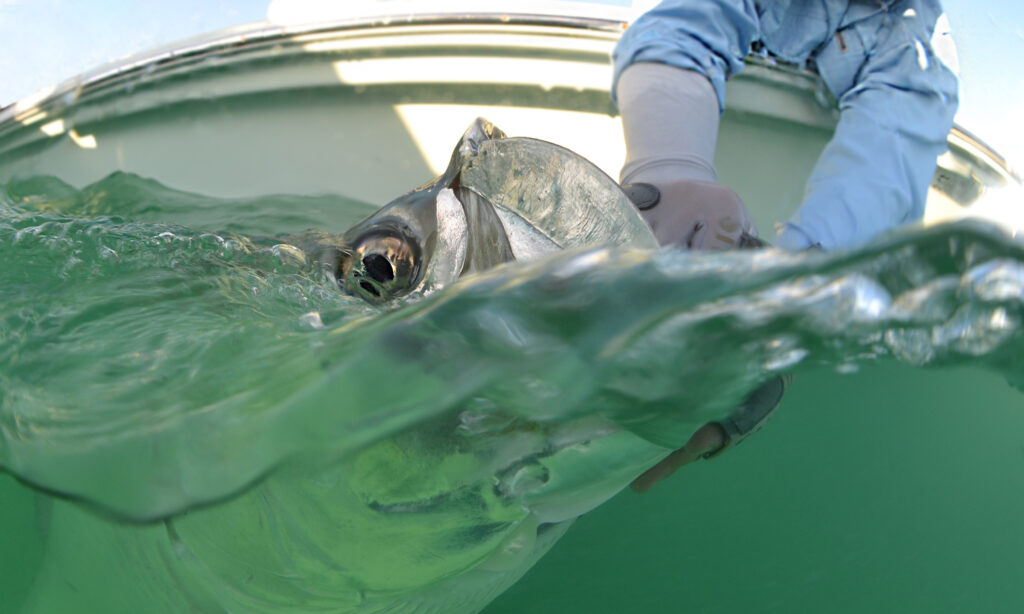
<point x="897" y="103"/>
<point x="707" y="36"/>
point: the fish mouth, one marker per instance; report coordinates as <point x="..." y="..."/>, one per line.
<point x="382" y="264"/>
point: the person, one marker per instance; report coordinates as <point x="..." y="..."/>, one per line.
<point x="896" y="101"/>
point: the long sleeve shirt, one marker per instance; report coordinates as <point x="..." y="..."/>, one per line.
<point x="896" y="97"/>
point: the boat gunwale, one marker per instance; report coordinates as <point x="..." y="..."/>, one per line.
<point x="253" y="37"/>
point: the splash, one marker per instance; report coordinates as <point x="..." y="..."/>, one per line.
<point x="208" y="383"/>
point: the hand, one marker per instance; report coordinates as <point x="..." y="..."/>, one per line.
<point x="693" y="214"/>
<point x="715" y="438"/>
<point x="707" y="440"/>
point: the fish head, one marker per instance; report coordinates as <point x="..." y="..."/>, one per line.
<point x="426" y="239"/>
<point x="385" y="253"/>
<point x="500" y="199"/>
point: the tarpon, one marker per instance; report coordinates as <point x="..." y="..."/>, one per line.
<point x="500" y="199"/>
<point x="436" y="519"/>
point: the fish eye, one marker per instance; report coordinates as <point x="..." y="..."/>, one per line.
<point x="382" y="265"/>
<point x="379" y="267"/>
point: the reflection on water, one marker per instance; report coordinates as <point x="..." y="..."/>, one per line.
<point x="226" y="430"/>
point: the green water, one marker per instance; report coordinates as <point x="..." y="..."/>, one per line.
<point x="892" y="490"/>
<point x="207" y="424"/>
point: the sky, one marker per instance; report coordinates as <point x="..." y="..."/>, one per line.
<point x="43" y="42"/>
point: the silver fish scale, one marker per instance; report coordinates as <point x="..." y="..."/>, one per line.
<point x="557" y="193"/>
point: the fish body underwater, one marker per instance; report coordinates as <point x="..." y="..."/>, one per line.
<point x="444" y="517"/>
<point x="201" y="422"/>
<point x="441" y="517"/>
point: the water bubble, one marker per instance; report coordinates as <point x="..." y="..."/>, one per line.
<point x="785" y="360"/>
<point x="311" y="320"/>
<point x="976" y="331"/>
<point x="783" y="352"/>
<point x="999" y="280"/>
<point x="913" y="346"/>
<point x="932" y="302"/>
<point x="288" y="255"/>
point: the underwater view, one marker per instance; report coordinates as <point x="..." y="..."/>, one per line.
<point x="198" y="416"/>
<point x="232" y="381"/>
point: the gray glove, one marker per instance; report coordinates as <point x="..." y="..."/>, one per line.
<point x="693" y="214"/>
<point x="670" y="121"/>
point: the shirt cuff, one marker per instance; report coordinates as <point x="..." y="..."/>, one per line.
<point x="794" y="239"/>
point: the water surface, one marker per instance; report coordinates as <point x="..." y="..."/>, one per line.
<point x="178" y="376"/>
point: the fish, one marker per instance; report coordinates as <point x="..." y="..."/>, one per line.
<point x="486" y="385"/>
<point x="500" y="200"/>
<point x="440" y="517"/>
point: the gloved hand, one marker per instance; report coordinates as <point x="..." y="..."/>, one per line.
<point x="693" y="214"/>
<point x="716" y="437"/>
<point x="670" y="121"/>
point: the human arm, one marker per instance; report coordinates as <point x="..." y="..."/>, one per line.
<point x="896" y="101"/>
<point x="671" y="68"/>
